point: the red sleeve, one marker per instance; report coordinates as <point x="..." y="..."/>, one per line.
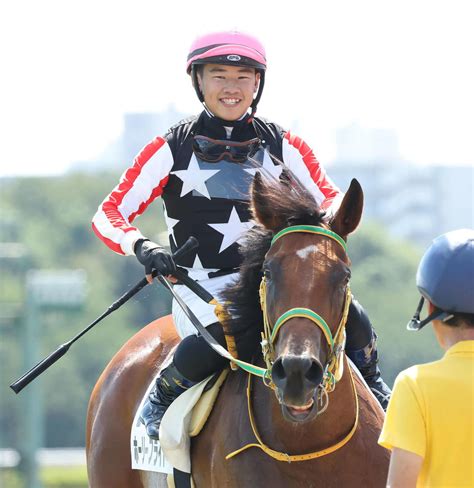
<point x="301" y="160"/>
<point x="139" y="186"/>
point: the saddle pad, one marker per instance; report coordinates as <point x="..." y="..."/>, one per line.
<point x="180" y="422"/>
<point x="175" y="427"/>
<point x="203" y="407"/>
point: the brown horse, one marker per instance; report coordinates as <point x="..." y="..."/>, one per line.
<point x="319" y="426"/>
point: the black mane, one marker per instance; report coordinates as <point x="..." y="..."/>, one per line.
<point x="291" y="204"/>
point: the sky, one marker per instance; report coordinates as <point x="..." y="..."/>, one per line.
<point x="71" y="69"/>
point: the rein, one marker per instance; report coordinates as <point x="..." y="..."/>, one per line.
<point x="334" y="366"/>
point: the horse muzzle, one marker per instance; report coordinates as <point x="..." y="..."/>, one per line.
<point x="297" y="379"/>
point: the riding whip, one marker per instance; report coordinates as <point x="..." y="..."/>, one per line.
<point x="43" y="365"/>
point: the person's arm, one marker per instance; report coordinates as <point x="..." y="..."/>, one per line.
<point x="138" y="187"/>
<point x="300" y="159"/>
<point x="404" y="469"/>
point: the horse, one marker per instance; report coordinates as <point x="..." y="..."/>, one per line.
<point x="307" y="420"/>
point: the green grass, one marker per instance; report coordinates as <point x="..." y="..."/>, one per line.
<point x="64" y="477"/>
<point x="10" y="478"/>
<point x="51" y="477"/>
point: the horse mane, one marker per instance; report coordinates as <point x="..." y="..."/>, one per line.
<point x="293" y="204"/>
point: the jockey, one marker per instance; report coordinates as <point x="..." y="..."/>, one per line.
<point x="202" y="168"/>
<point x="429" y="425"/>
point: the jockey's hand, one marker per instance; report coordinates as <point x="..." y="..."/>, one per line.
<point x="153" y="256"/>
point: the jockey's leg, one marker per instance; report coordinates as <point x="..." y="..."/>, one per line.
<point x="194" y="360"/>
<point x="361" y="347"/>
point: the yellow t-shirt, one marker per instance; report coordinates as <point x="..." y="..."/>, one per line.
<point x="431" y="413"/>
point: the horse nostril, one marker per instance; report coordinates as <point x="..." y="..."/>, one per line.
<point x="294" y="367"/>
<point x="315" y="373"/>
<point x="278" y="371"/>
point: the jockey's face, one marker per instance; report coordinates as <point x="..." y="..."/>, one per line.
<point x="228" y="90"/>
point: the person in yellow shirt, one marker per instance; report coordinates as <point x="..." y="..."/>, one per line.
<point x="429" y="425"/>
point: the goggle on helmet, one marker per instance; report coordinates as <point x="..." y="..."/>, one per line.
<point x="231" y="49"/>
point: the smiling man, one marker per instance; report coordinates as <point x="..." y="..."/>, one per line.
<point x="228" y="90"/>
<point x="202" y="168"/>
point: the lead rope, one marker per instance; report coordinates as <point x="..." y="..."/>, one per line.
<point x="283" y="456"/>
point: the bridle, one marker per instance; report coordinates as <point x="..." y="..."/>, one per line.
<point x="334" y="366"/>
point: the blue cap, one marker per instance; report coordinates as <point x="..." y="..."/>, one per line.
<point x="446" y="272"/>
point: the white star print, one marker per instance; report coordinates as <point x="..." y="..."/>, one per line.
<point x="232" y="230"/>
<point x="268" y="169"/>
<point x="197" y="262"/>
<point x="195" y="178"/>
<point x="252" y="171"/>
<point x="170" y="223"/>
<point x="197" y="270"/>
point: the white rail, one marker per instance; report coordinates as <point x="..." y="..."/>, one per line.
<point x="10" y="458"/>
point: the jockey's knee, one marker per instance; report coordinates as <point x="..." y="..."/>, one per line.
<point x="358" y="327"/>
<point x="195" y="359"/>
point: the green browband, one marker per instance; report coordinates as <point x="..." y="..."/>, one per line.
<point x="312" y="229"/>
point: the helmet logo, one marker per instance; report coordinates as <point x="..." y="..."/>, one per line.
<point x="234" y="57"/>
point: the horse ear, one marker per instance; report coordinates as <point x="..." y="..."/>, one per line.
<point x="348" y="216"/>
<point x="261" y="210"/>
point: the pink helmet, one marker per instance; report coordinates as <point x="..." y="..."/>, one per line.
<point x="231" y="48"/>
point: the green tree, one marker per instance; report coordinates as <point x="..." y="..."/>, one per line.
<point x="383" y="280"/>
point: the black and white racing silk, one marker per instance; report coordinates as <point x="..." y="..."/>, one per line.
<point x="207" y="200"/>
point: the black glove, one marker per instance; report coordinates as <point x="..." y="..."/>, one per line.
<point x="153" y="256"/>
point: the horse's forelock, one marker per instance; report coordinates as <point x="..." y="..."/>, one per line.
<point x="288" y="201"/>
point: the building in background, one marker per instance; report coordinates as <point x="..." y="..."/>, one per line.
<point x="413" y="202"/>
<point x="139" y="128"/>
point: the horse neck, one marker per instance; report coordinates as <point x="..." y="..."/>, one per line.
<point x="326" y="429"/>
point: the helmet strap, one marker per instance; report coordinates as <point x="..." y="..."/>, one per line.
<point x="438" y="314"/>
<point x="194" y="77"/>
<point x="258" y="96"/>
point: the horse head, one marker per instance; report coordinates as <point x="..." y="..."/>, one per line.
<point x="304" y="292"/>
